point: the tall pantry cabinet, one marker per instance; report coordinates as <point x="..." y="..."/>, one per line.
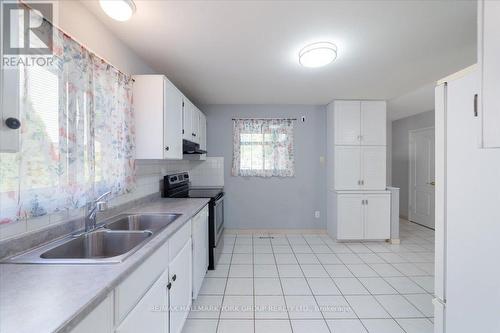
<point x="358" y="202"/>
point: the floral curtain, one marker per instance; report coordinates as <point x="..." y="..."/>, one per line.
<point x="263" y="148"/>
<point x="77" y="135"/>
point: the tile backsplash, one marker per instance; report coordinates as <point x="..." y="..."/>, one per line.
<point x="208" y="173"/>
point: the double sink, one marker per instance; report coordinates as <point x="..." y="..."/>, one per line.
<point x="111" y="242"/>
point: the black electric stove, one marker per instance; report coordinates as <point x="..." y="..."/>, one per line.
<point x="178" y="186"/>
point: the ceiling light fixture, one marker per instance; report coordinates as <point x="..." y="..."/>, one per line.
<point x="318" y="54"/>
<point x="120" y="10"/>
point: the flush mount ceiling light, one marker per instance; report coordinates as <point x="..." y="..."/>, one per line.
<point x="318" y="54"/>
<point x="120" y="10"/>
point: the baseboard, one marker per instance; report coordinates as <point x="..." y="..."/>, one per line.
<point x="275" y="231"/>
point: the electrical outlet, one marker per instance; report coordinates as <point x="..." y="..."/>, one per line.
<point x="317" y="214"/>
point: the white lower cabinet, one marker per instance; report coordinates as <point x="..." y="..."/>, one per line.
<point x="181" y="290"/>
<point x="200" y="249"/>
<point x="363" y="215"/>
<point x="151" y="313"/>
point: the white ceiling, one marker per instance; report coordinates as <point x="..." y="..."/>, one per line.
<point x="245" y="52"/>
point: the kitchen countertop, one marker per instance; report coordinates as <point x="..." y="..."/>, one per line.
<point x="54" y="298"/>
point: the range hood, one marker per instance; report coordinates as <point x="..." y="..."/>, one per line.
<point x="189" y="147"/>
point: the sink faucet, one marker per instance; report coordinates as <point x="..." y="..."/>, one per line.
<point x="91" y="210"/>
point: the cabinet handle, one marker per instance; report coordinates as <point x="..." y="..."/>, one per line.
<point x="362" y="182"/>
<point x="169" y="285"/>
<point x="194" y="134"/>
<point x="174" y="277"/>
<point x="167" y="148"/>
<point x="475" y="106"/>
<point x="366" y="202"/>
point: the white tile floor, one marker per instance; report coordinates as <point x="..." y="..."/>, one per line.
<point x="284" y="283"/>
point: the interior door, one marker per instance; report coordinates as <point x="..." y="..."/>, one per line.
<point x="347" y="167"/>
<point x="373" y="168"/>
<point x="180" y="270"/>
<point x="349" y="216"/>
<point x="347" y="122"/>
<point x="377" y="216"/>
<point x="373" y="123"/>
<point x="422" y="177"/>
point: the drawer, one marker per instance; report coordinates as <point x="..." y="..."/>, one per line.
<point x="131" y="290"/>
<point x="177" y="240"/>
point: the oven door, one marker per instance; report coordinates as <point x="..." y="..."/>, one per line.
<point x="218" y="219"/>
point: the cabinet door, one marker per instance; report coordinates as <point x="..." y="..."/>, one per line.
<point x="195" y="124"/>
<point x="347" y="168"/>
<point x="349" y="216"/>
<point x="180" y="270"/>
<point x="172" y="122"/>
<point x="377" y="216"/>
<point x="488" y="55"/>
<point x="187" y="120"/>
<point x="347" y="122"/>
<point x="200" y="250"/>
<point x="151" y="313"/>
<point x="373" y="123"/>
<point x="203" y="131"/>
<point x="373" y="164"/>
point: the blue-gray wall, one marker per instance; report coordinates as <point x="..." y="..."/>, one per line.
<point x="273" y="203"/>
<point x="401" y="153"/>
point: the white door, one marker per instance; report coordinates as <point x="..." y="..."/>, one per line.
<point x="151" y="313"/>
<point x="373" y="168"/>
<point x="347" y="122"/>
<point x="347" y="167"/>
<point x="422" y="177"/>
<point x="349" y="216"/>
<point x="172" y="121"/>
<point x="187" y="120"/>
<point x="377" y="216"/>
<point x="373" y="123"/>
<point x="180" y="270"/>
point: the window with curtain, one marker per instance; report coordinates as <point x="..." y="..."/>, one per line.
<point x="263" y="148"/>
<point x="77" y="135"/>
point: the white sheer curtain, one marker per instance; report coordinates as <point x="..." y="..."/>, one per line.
<point x="263" y="148"/>
<point x="77" y="135"/>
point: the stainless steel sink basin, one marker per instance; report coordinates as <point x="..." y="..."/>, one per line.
<point x="115" y="240"/>
<point x="151" y="222"/>
<point x="97" y="245"/>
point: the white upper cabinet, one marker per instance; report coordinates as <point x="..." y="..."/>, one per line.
<point x="187" y="120"/>
<point x="373" y="168"/>
<point x="360" y="168"/>
<point x="488" y="104"/>
<point x="158" y="118"/>
<point x="347" y="168"/>
<point x="203" y="131"/>
<point x="373" y="123"/>
<point x="347" y="122"/>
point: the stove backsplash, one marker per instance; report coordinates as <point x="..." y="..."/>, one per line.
<point x="208" y="173"/>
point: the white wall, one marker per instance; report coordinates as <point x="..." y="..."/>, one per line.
<point x="401" y="153"/>
<point x="273" y="203"/>
<point x="79" y="23"/>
